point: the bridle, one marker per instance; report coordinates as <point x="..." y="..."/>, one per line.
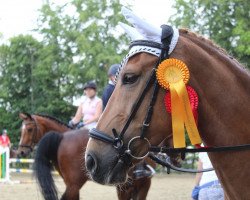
<point x="34" y="135"/>
<point x="125" y="153"/>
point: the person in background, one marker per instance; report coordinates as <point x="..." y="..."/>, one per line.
<point x="207" y="185"/>
<point x="142" y="169"/>
<point x="108" y="90"/>
<point x="4" y="139"/>
<point x="90" y="110"/>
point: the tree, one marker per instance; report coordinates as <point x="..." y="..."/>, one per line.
<point x="82" y="41"/>
<point x="17" y="93"/>
<point x="43" y="77"/>
<point x="225" y="22"/>
<point x="28" y="83"/>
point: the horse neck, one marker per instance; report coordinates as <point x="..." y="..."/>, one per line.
<point x="223" y="88"/>
<point x="45" y="125"/>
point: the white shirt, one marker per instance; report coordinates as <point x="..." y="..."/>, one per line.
<point x="206" y="163"/>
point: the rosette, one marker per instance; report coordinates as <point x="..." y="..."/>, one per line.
<point x="173" y="74"/>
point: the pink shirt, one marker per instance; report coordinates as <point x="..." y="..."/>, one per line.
<point x="4" y="140"/>
<point x="89" y="110"/>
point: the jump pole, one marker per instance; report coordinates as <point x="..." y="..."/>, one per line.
<point x="4" y="164"/>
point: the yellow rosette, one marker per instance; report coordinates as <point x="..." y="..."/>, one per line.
<point x="173" y="74"/>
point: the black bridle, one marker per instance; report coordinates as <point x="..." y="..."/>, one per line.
<point x="117" y="141"/>
<point x="34" y="136"/>
<point x="125" y="153"/>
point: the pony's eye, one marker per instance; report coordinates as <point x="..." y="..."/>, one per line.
<point x="29" y="130"/>
<point x="130" y="78"/>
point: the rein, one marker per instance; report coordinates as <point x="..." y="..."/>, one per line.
<point x="169" y="150"/>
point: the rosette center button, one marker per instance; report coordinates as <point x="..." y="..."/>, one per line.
<point x="173" y="75"/>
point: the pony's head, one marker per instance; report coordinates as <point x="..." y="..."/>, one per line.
<point x="29" y="133"/>
<point x="125" y="130"/>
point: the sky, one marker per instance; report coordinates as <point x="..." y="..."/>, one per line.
<point x="19" y="16"/>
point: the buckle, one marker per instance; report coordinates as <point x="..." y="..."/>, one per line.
<point x="118" y="144"/>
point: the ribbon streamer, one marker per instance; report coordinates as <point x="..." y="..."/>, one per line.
<point x="186" y="113"/>
<point x="172" y="74"/>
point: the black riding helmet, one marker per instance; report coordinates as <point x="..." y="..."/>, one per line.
<point x="113" y="69"/>
<point x="90" y="84"/>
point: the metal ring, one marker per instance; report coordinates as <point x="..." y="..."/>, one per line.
<point x="128" y="151"/>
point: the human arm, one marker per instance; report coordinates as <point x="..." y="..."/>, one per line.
<point x="98" y="112"/>
<point x="9" y="143"/>
<point x="198" y="175"/>
<point x="78" y="116"/>
<point x="196" y="189"/>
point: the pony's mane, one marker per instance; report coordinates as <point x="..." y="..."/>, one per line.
<point x="202" y="38"/>
<point x="53" y="119"/>
<point x="210" y="43"/>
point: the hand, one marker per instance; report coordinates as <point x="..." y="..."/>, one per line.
<point x="71" y="124"/>
<point x="80" y="125"/>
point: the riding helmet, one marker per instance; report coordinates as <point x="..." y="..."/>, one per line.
<point x="113" y="69"/>
<point x="90" y="84"/>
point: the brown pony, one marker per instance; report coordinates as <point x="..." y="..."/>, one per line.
<point x="34" y="127"/>
<point x="223" y="87"/>
<point x="13" y="153"/>
<point x="66" y="151"/>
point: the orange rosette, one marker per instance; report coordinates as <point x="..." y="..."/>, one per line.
<point x="173" y="74"/>
<point x="171" y="71"/>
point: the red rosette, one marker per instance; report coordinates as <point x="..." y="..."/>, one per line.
<point x="193" y="98"/>
<point x="167" y="101"/>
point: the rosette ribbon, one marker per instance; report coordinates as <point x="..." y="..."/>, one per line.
<point x="173" y="74"/>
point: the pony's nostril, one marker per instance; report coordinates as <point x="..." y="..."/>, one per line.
<point x="91" y="163"/>
<point x="22" y="154"/>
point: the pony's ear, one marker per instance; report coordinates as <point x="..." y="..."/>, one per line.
<point x="148" y="31"/>
<point x="25" y="116"/>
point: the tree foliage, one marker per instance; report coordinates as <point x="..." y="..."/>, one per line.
<point x="78" y="44"/>
<point x="81" y="35"/>
<point x="224" y="21"/>
<point x="17" y="62"/>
